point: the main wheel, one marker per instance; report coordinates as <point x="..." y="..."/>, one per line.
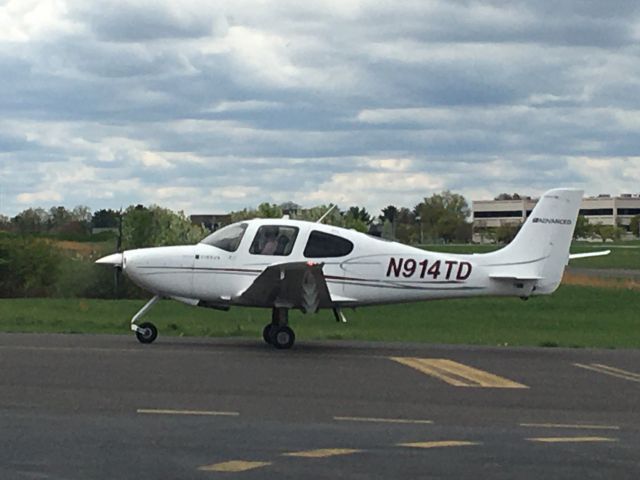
<point x="147" y="332"/>
<point x="282" y="337"/>
<point x="266" y="333"/>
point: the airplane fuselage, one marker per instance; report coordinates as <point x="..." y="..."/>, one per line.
<point x="374" y="272"/>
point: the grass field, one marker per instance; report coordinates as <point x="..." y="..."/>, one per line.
<point x="575" y="316"/>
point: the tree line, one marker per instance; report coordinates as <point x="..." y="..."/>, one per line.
<point x="440" y="218"/>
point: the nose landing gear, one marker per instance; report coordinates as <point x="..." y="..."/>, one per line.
<point x="278" y="333"/>
<point x="145" y="332"/>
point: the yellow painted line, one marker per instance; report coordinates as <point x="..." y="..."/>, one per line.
<point x="439" y="444"/>
<point x="611" y="371"/>
<point x="322" y="452"/>
<point x="457" y="374"/>
<point x="383" y="420"/>
<point x="572" y="439"/>
<point x="154" y="411"/>
<point x="233" y="466"/>
<point x="569" y="425"/>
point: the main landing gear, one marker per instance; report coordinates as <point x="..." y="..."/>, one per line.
<point x="278" y="333"/>
<point x="145" y="332"/>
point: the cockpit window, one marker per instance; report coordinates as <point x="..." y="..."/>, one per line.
<point x="227" y="238"/>
<point x="322" y="244"/>
<point x="274" y="240"/>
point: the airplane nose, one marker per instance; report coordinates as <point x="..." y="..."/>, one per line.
<point x="115" y="259"/>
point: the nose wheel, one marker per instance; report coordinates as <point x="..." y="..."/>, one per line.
<point x="146" y="333"/>
<point x="278" y="333"/>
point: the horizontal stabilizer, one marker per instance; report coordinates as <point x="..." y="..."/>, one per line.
<point x="514" y="278"/>
<point x="589" y="255"/>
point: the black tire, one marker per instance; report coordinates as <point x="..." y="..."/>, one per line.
<point x="266" y="333"/>
<point x="282" y="338"/>
<point x="147" y="332"/>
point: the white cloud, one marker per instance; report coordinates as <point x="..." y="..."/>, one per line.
<point x="153" y="159"/>
<point x="41" y="196"/>
<point x="26" y="20"/>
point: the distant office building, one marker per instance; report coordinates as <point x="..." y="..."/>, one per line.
<point x="603" y="209"/>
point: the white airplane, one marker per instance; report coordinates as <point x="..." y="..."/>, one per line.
<point x="285" y="264"/>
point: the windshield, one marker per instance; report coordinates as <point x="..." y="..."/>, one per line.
<point x="227" y="238"/>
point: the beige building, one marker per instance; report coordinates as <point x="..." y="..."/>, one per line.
<point x="603" y="209"/>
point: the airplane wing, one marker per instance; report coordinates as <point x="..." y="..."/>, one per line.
<point x="291" y="285"/>
<point x="590" y="254"/>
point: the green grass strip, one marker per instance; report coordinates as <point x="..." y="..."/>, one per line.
<point x="574" y="316"/>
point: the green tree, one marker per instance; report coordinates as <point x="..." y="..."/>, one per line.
<point x="137" y="227"/>
<point x="29" y="266"/>
<point x="32" y="220"/>
<point x="174" y="228"/>
<point x="634" y="226"/>
<point x="313" y="214"/>
<point x="583" y="228"/>
<point x="359" y="213"/>
<point x="269" y="210"/>
<point x="406" y="226"/>
<point x="58" y="218"/>
<point x="82" y="215"/>
<point x="156" y="226"/>
<point x="608" y="232"/>
<point x="105" y="218"/>
<point x="442" y="215"/>
<point x="264" y="210"/>
<point x="387" y="230"/>
<point x="506" y="196"/>
<point x="356" y="218"/>
<point x="506" y="232"/>
<point x="389" y="214"/>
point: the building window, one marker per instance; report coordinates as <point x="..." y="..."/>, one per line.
<point x="596" y="212"/>
<point x="322" y="245"/>
<point x="498" y="214"/>
<point x="629" y="211"/>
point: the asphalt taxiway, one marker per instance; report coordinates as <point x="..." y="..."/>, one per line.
<point x="105" y="407"/>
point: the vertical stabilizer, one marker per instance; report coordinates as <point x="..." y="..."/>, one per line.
<point x="541" y="248"/>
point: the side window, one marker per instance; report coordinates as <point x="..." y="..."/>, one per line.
<point x="227" y="238"/>
<point x="322" y="244"/>
<point x="274" y="240"/>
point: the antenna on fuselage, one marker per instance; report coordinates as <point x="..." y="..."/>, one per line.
<point x="326" y="214"/>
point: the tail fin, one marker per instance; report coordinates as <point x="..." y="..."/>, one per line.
<point x="540" y="251"/>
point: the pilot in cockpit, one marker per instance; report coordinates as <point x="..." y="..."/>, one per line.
<point x="270" y="241"/>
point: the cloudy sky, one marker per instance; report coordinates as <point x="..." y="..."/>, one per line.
<point x="209" y="106"/>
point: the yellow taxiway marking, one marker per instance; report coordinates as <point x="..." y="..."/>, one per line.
<point x="457" y="374"/>
<point x="612" y="371"/>
<point x="153" y="411"/>
<point x="568" y="425"/>
<point x="322" y="452"/>
<point x="233" y="466"/>
<point x="439" y="444"/>
<point x="382" y="420"/>
<point x="571" y="439"/>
